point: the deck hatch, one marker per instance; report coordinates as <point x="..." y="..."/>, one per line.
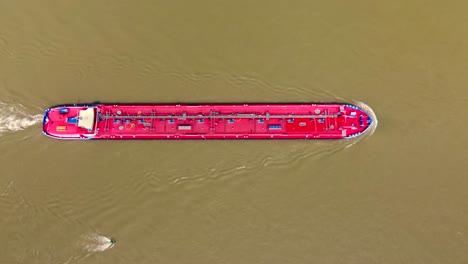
<point x="86" y="118"/>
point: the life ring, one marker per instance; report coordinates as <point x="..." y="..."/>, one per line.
<point x="132" y="125"/>
<point x="139" y="112"/>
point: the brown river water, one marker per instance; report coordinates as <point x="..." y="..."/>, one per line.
<point x="398" y="194"/>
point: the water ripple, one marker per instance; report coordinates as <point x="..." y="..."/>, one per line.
<point x="4" y="47"/>
<point x="283" y="158"/>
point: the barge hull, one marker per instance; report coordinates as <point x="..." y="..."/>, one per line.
<point x="205" y="121"/>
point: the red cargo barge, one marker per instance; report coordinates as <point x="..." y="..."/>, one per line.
<point x="205" y="121"/>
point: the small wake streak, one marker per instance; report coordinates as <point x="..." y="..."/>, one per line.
<point x="90" y="245"/>
<point x="96" y="243"/>
<point x="15" y="118"/>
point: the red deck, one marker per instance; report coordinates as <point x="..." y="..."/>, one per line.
<point x="223" y="121"/>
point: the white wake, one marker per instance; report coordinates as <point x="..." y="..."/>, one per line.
<point x="97" y="243"/>
<point x="15" y="118"/>
<point x="89" y="245"/>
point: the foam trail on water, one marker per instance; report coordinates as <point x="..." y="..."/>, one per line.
<point x="15" y="118"/>
<point x="89" y="245"/>
<point x="97" y="243"/>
